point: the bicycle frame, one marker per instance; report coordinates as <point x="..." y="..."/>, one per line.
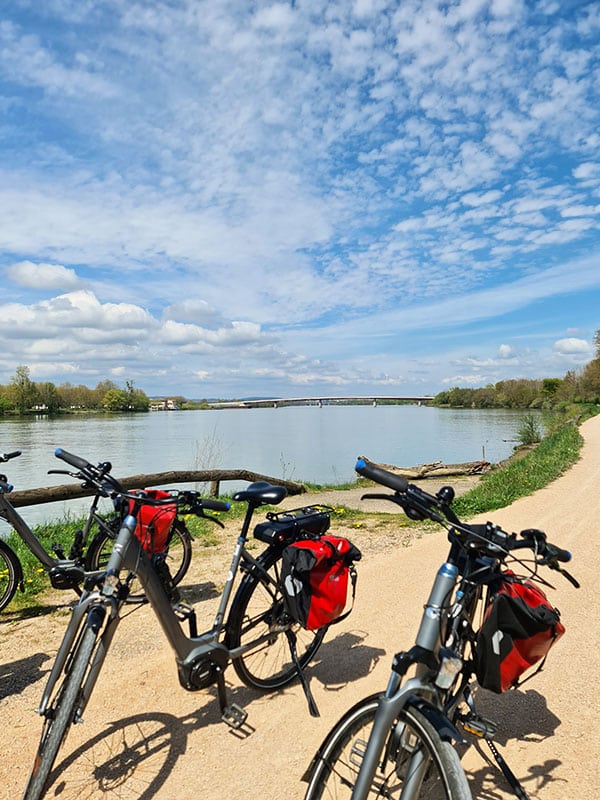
<point x="9" y="513"/>
<point x="192" y="652"/>
<point x="417" y="690"/>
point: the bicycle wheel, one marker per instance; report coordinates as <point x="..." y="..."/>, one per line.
<point x="60" y="715"/>
<point x="258" y="610"/>
<point x="178" y="558"/>
<point x="415" y="761"/>
<point x="10" y="571"/>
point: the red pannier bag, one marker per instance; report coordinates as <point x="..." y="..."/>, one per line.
<point x="519" y="628"/>
<point x="315" y="574"/>
<point x="154" y="522"/>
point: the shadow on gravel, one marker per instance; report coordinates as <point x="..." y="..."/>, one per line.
<point x="134" y="756"/>
<point x="343" y="660"/>
<point x="521" y="715"/>
<point x="17" y="675"/>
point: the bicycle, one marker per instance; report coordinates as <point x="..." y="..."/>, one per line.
<point x="254" y="631"/>
<point x="402" y="743"/>
<point x="99" y="530"/>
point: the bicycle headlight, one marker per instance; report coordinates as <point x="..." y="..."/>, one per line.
<point x="450" y="666"/>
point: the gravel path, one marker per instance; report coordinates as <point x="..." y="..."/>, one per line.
<point x="145" y="737"/>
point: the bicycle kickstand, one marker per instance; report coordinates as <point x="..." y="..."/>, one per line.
<point x="231" y="713"/>
<point x="312" y="706"/>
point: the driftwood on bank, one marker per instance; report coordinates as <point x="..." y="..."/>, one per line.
<point x="439" y="470"/>
<point x="52" y="494"/>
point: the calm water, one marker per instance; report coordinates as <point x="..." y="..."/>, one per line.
<point x="304" y="443"/>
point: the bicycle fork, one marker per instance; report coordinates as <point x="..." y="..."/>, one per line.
<point x="91" y="611"/>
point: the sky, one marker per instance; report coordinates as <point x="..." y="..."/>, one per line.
<point x="237" y="198"/>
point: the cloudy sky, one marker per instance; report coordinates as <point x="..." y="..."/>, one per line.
<point x="223" y="198"/>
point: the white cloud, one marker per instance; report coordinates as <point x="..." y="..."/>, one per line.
<point x="42" y="276"/>
<point x="573" y="346"/>
<point x="506" y="351"/>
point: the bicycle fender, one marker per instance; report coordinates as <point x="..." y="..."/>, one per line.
<point x="446" y="730"/>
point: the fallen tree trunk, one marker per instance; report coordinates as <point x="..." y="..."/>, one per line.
<point x="439" y="470"/>
<point x="52" y="494"/>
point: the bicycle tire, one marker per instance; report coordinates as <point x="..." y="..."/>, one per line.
<point x="333" y="772"/>
<point x="10" y="571"/>
<point x="60" y="716"/>
<point x="257" y="609"/>
<point x="179" y="555"/>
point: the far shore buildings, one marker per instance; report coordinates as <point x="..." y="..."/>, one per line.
<point x="163" y="404"/>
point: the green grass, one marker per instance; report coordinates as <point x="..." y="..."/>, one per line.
<point x="555" y="454"/>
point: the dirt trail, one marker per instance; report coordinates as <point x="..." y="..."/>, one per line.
<point x="145" y="737"/>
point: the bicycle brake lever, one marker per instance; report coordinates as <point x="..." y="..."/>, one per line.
<point x="212" y="519"/>
<point x="568" y="576"/>
<point x="391" y="497"/>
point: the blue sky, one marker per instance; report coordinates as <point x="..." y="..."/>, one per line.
<point x="226" y="198"/>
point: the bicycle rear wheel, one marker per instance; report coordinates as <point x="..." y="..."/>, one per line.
<point x="61" y="714"/>
<point x="178" y="557"/>
<point x="10" y="571"/>
<point x="415" y="760"/>
<point x="258" y="610"/>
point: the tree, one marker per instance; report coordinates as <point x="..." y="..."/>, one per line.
<point x="22" y="390"/>
<point x="48" y="396"/>
<point x="115" y="400"/>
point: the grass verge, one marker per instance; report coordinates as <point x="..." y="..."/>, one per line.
<point x="555" y="454"/>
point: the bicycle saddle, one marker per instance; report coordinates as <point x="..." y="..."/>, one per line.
<point x="261" y="492"/>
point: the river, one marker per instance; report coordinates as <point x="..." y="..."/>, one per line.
<point x="301" y="443"/>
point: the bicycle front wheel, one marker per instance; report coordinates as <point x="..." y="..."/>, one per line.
<point x="178" y="558"/>
<point x="9" y="574"/>
<point x="61" y="714"/>
<point x="415" y="761"/>
<point x="258" y="612"/>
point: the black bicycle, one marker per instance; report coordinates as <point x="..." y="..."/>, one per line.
<point x="401" y="744"/>
<point x="255" y="632"/>
<point x="92" y="544"/>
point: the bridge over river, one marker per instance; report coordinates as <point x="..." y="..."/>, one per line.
<point x="322" y="400"/>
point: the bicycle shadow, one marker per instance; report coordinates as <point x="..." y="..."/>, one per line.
<point x="199" y="592"/>
<point x="17" y="675"/>
<point x="133" y="757"/>
<point x="521" y="715"/>
<point x="345" y="659"/>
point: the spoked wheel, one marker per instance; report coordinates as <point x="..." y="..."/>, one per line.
<point x="10" y="572"/>
<point x="258" y="611"/>
<point x="61" y="713"/>
<point x="178" y="557"/>
<point x="415" y="762"/>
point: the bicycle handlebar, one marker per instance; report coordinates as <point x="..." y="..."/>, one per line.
<point x="100" y="477"/>
<point x="418" y="504"/>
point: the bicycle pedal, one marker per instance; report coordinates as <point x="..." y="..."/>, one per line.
<point x="478" y="726"/>
<point x="234" y="716"/>
<point x="58" y="550"/>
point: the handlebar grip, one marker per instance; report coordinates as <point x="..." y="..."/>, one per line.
<point x="215" y="505"/>
<point x="8" y="456"/>
<point x="74" y="461"/>
<point x="557" y="553"/>
<point x="368" y="470"/>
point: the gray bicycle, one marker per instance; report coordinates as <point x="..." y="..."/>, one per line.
<point x="267" y="647"/>
<point x="401" y="744"/>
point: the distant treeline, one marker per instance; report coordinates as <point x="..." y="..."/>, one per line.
<point x="24" y="396"/>
<point x="550" y="393"/>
